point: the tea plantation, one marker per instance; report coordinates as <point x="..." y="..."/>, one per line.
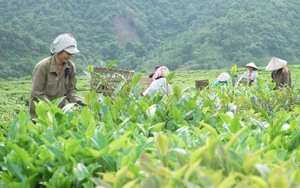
<point x="224" y="137"/>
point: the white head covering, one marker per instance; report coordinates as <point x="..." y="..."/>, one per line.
<point x="64" y="42"/>
<point x="223" y="77"/>
<point x="276" y="64"/>
<point x="252" y="64"/>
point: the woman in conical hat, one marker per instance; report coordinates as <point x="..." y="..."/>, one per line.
<point x="221" y="80"/>
<point x="280" y="73"/>
<point x="251" y="74"/>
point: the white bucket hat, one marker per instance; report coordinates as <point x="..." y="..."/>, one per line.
<point x="64" y="42"/>
<point x="252" y="64"/>
<point x="223" y="77"/>
<point x="276" y="64"/>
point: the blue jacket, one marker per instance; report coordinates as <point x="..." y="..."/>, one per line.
<point x="219" y="83"/>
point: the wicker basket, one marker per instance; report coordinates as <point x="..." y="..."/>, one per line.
<point x="107" y="80"/>
<point x="200" y="84"/>
<point x="145" y="83"/>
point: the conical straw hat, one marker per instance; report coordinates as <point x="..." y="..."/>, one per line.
<point x="223" y="77"/>
<point x="276" y="64"/>
<point x="252" y="64"/>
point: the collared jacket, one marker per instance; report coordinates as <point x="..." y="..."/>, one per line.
<point x="48" y="85"/>
<point x="281" y="78"/>
<point x="251" y="77"/>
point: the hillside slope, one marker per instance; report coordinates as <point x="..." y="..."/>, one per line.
<point x="235" y="33"/>
<point x="183" y="34"/>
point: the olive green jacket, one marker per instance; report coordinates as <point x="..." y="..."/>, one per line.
<point x="281" y="78"/>
<point x="47" y="85"/>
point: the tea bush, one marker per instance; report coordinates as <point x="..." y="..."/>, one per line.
<point x="223" y="137"/>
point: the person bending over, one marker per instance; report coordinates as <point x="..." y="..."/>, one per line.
<point x="55" y="76"/>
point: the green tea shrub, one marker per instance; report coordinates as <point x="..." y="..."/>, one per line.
<point x="222" y="137"/>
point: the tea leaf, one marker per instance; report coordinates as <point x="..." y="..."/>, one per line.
<point x="179" y="173"/>
<point x="263" y="170"/>
<point x="235" y="125"/>
<point x="71" y="147"/>
<point x="250" y="161"/>
<point x="164" y="172"/>
<point x="81" y="172"/>
<point x="162" y="144"/>
<point x="90" y="68"/>
<point x="212" y="145"/>
<point x="56" y="152"/>
<point x="157" y="127"/>
<point x="176" y="91"/>
<point x="191" y="169"/>
<point x="22" y="120"/>
<point x="131" y="184"/>
<point x="13" y="130"/>
<point x="87" y="117"/>
<point x="210" y="128"/>
<point x="23" y="156"/>
<point x="170" y="76"/>
<point x="197" y="154"/>
<point x="67" y="108"/>
<point x="111" y="64"/>
<point x="107" y="177"/>
<point x="234" y="138"/>
<point x="229" y="181"/>
<point x="147" y="163"/>
<point x="135" y="79"/>
<point x="119" y="178"/>
<point x="233" y="70"/>
<point x="266" y="138"/>
<point x="260" y="182"/>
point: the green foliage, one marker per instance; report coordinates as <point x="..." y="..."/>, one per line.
<point x="233" y="70"/>
<point x="182" y="35"/>
<point x="233" y="137"/>
<point x="111" y="64"/>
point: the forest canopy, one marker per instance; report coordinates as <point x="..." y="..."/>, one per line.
<point x="184" y="35"/>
